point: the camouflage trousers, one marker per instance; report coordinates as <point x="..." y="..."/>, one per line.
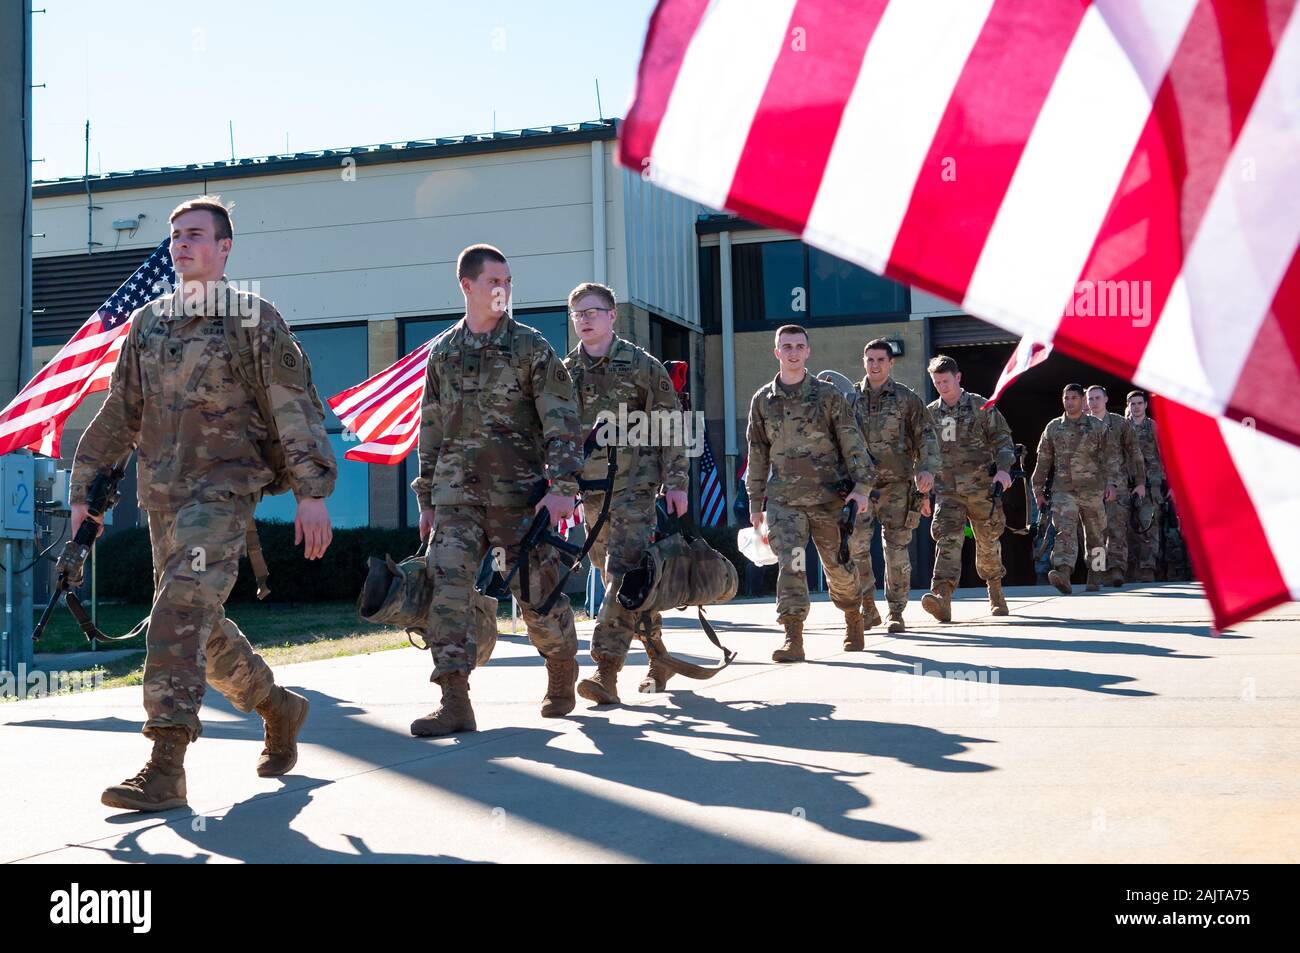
<point x="1117" y="517"/>
<point x="191" y="644"/>
<point x="462" y="536"/>
<point x="948" y="530"/>
<point x="1067" y="511"/>
<point x="1144" y="546"/>
<point x="789" y="528"/>
<point x="897" y="522"/>
<point x="618" y="549"/>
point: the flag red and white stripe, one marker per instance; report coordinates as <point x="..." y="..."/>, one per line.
<point x="34" y="419"/>
<point x="1026" y="355"/>
<point x="1109" y="176"/>
<point x="383" y="412"/>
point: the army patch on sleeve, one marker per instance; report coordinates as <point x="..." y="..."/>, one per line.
<point x="558" y="380"/>
<point x="665" y="386"/>
<point x="288" y="363"/>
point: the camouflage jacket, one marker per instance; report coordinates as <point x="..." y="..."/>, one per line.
<point x="1129" y="468"/>
<point x="1076" y="454"/>
<point x="175" y="396"/>
<point x="970" y="438"/>
<point x="808" y="440"/>
<point x="1146" y="438"/>
<point x="625" y="380"/>
<point x="498" y="416"/>
<point x="898" y="431"/>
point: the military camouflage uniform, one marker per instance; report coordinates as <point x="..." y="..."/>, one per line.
<point x="626" y="377"/>
<point x="497" y="413"/>
<point x="1144" y="544"/>
<point x="970" y="438"/>
<point x="1079" y="459"/>
<point x="807" y="438"/>
<point x="175" y="395"/>
<point x="1129" y="471"/>
<point x="900" y="438"/>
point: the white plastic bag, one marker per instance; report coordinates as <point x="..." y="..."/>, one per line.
<point x="754" y="546"/>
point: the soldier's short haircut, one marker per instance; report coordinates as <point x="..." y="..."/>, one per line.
<point x="878" y="344"/>
<point x="225" y="228"/>
<point x="1136" y="393"/>
<point x="790" y="329"/>
<point x="469" y="264"/>
<point x="942" y="364"/>
<point x="604" y="292"/>
<point x="1100" y="388"/>
<point x="1077" y="388"/>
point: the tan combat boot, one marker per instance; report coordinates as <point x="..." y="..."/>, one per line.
<point x="160" y="785"/>
<point x="896" y="623"/>
<point x="561" y="677"/>
<point x="853" y="630"/>
<point x="602" y="688"/>
<point x="453" y="715"/>
<point x="284" y="712"/>
<point x="1094" y="580"/>
<point x="1060" y="578"/>
<point x="938" y="601"/>
<point x="870" y="614"/>
<point x="792" y="649"/>
<point x="997" y="602"/>
<point x="655" y="680"/>
<point x="1116" y="577"/>
<point x="1146" y="575"/>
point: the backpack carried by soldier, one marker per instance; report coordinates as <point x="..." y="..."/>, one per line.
<point x="679" y="569"/>
<point x="400" y="594"/>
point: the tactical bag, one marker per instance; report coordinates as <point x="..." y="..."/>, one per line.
<point x="677" y="571"/>
<point x="400" y="594"/>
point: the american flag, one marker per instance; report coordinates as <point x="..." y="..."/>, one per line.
<point x="34" y="418"/>
<point x="383" y="412"/>
<point x="1009" y="155"/>
<point x="1028" y="353"/>
<point x="713" y="503"/>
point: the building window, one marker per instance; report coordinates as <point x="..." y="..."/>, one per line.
<point x="788" y="281"/>
<point x="339" y="355"/>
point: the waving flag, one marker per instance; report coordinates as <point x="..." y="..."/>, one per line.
<point x="35" y="417"/>
<point x="1112" y="177"/>
<point x="1027" y="354"/>
<point x="383" y="412"/>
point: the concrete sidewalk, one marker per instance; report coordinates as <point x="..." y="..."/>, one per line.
<point x="1101" y="727"/>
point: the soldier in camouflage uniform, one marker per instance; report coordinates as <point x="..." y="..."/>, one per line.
<point x="178" y="394"/>
<point x="900" y="438"/>
<point x="614" y="379"/>
<point x="497" y="418"/>
<point x="1076" y="455"/>
<point x="1128" y="477"/>
<point x="803" y="444"/>
<point x="970" y="438"/>
<point x="1144" y="541"/>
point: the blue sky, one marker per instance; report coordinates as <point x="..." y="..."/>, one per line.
<point x="159" y="81"/>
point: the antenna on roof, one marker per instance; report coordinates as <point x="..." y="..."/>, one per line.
<point x="231" y="124"/>
<point x="599" y="112"/>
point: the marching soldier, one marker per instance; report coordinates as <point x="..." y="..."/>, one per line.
<point x="191" y="401"/>
<point x="611" y="374"/>
<point x="900" y="438"/>
<point x="497" y="419"/>
<point x="1075" y="453"/>
<point x="1128" y="478"/>
<point x="1144" y="540"/>
<point x="970" y="438"/>
<point x="804" y="434"/>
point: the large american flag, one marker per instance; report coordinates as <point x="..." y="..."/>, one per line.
<point x="383" y="412"/>
<point x="34" y="418"/>
<point x="1011" y="156"/>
